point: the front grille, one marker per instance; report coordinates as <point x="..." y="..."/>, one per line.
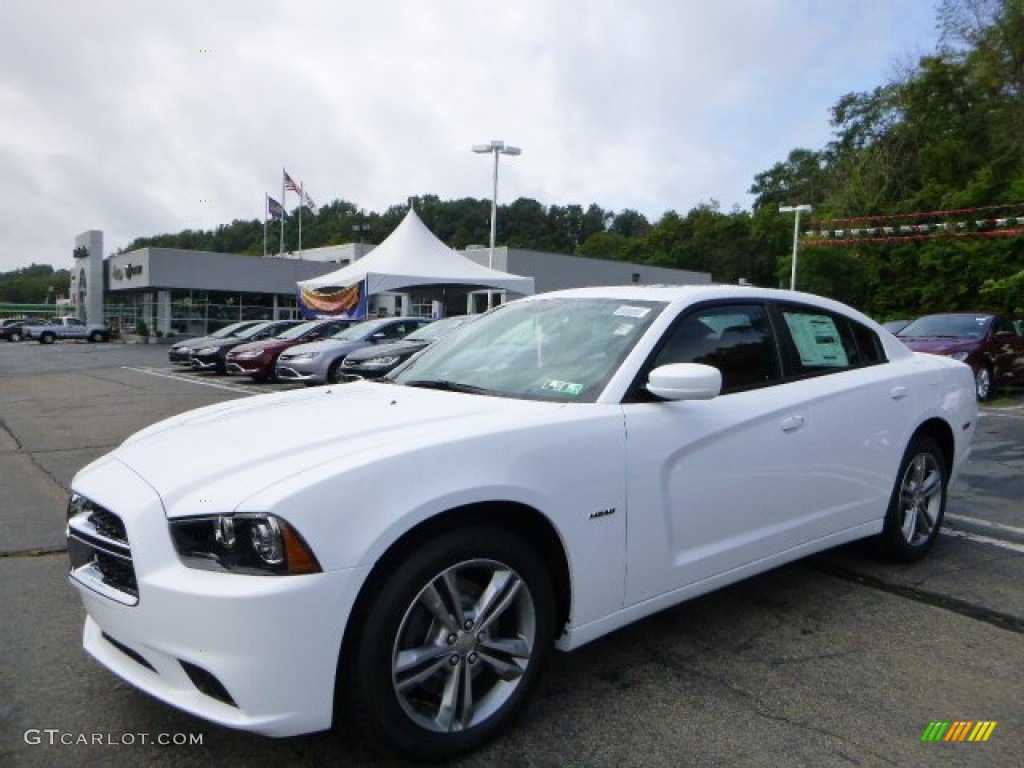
<point x="108" y="524"/>
<point x="101" y="558"/>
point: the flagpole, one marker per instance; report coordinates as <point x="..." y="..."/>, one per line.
<point x="266" y="207"/>
<point x="284" y="205"/>
<point x="301" y="187"/>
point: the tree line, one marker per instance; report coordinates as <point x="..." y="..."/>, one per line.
<point x="946" y="132"/>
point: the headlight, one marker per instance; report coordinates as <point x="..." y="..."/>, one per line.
<point x="244" y="543"/>
<point x="961" y="356"/>
<point x="381" y="362"/>
<point x="301" y="356"/>
<point x="204" y="351"/>
<point x="247" y="355"/>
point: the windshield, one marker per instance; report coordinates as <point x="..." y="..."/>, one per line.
<point x="561" y="349"/>
<point x="360" y="331"/>
<point x="250" y="332"/>
<point x="438" y="328"/>
<point x="228" y="330"/>
<point x="947" y="327"/>
<point x="297" y="331"/>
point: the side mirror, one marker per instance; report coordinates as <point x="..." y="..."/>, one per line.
<point x="685" y="381"/>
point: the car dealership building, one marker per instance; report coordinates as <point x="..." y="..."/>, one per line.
<point x="176" y="291"/>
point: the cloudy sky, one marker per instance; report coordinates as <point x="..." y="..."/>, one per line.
<point x="139" y="117"/>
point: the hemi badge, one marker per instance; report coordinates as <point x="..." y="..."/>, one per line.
<point x="602" y="513"/>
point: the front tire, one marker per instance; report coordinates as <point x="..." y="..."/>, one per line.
<point x="47" y="338"/>
<point x="15" y="336"/>
<point x="918" y="502"/>
<point x="334" y="372"/>
<point x="450" y="647"/>
<point x="983" y="388"/>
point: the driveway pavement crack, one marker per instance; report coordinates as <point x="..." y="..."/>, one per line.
<point x="955" y="605"/>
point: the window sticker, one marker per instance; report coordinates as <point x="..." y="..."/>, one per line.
<point x="563" y="387"/>
<point x="623" y="330"/>
<point x="627" y="311"/>
<point x="817" y="341"/>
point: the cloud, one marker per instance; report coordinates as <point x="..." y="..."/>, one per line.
<point x="128" y="117"/>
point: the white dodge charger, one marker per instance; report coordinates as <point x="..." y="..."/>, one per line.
<point x="406" y="552"/>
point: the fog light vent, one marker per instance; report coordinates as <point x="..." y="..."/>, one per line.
<point x="207" y="683"/>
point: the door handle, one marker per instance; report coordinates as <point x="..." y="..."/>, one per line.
<point x="792" y="423"/>
<point x="898" y="393"/>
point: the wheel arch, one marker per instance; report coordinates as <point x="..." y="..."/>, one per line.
<point x="942" y="433"/>
<point x="530" y="524"/>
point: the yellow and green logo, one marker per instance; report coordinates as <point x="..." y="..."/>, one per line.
<point x="958" y="730"/>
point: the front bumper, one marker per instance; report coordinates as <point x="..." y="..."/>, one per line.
<point x="258" y="653"/>
<point x="245" y="367"/>
<point x="297" y="370"/>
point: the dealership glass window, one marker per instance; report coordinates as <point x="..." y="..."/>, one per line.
<point x="196" y="312"/>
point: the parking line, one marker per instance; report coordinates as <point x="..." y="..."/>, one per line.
<point x="192" y="380"/>
<point x="985" y="524"/>
<point x="984" y="539"/>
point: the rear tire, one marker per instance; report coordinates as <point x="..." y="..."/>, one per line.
<point x="449" y="646"/>
<point x="15" y="336"/>
<point x="918" y="502"/>
<point x="47" y="338"/>
<point x="95" y="336"/>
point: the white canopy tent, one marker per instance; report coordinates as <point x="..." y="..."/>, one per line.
<point x="410" y="257"/>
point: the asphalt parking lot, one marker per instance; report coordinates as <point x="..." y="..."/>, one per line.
<point x="837" y="660"/>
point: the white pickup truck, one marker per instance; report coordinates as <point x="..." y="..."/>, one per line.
<point x="66" y="328"/>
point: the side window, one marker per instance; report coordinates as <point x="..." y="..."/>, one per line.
<point x="827" y="343"/>
<point x="735" y="339"/>
<point x="1003" y="325"/>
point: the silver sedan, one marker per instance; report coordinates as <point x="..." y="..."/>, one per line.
<point x="319" y="362"/>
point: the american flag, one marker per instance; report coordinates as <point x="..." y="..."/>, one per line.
<point x="309" y="202"/>
<point x="291" y="185"/>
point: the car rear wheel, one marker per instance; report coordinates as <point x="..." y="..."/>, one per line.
<point x="983" y="384"/>
<point x="15" y="336"/>
<point x="47" y="338"/>
<point x="451" y="644"/>
<point x="918" y="502"/>
<point x="95" y="336"/>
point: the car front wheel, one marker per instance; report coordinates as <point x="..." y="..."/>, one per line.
<point x="452" y="642"/>
<point x="983" y="384"/>
<point x="918" y="502"/>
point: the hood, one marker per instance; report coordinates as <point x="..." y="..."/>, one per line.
<point x="250" y="444"/>
<point x="271" y="343"/>
<point x="380" y="350"/>
<point x="198" y="341"/>
<point x="939" y="345"/>
<point x="328" y="345"/>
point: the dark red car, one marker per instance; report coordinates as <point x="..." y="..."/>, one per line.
<point x="259" y="358"/>
<point x="989" y="343"/>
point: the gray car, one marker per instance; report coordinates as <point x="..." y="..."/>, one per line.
<point x="319" y="361"/>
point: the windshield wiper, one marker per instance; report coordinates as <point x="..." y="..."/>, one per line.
<point x="447" y="386"/>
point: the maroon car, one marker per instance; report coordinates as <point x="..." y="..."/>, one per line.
<point x="989" y="343"/>
<point x="259" y="358"/>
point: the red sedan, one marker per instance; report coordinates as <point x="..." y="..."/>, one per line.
<point x="259" y="358"/>
<point x="989" y="343"/>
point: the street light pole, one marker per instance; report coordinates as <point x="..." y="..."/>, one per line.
<point x="496" y="147"/>
<point x="794" y="209"/>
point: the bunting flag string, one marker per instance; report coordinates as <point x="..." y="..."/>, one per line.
<point x="988" y="222"/>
